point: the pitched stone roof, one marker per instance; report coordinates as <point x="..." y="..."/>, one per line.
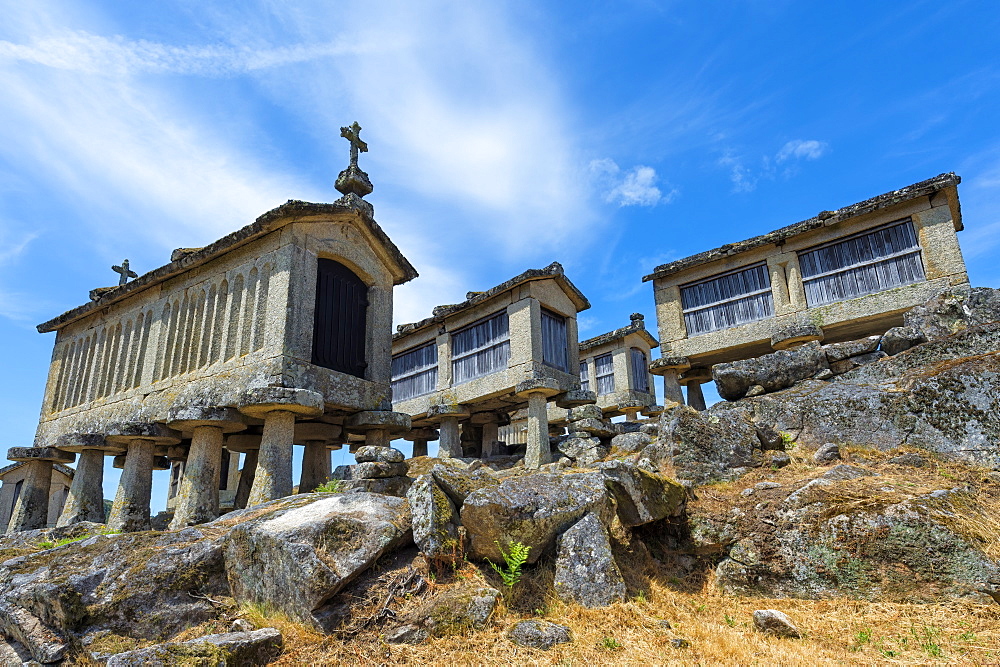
<point x="638" y="326"/>
<point x="191" y="257"/>
<point x="69" y="472"/>
<point x="824" y="218"/>
<point x="553" y="270"/>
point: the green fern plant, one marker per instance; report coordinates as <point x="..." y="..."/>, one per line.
<point x="332" y="486"/>
<point x="515" y="557"/>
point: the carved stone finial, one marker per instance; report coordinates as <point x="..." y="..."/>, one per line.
<point x="125" y="272"/>
<point x="638" y="317"/>
<point x="353" y="183"/>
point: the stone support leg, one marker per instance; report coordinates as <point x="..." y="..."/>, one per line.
<point x="491" y="434"/>
<point x="539" y="452"/>
<point x="130" y="511"/>
<point x="419" y="448"/>
<point x="85" y="501"/>
<point x="450" y="442"/>
<point x="32" y="508"/>
<point x="377" y="437"/>
<point x="672" y="388"/>
<point x="246" y="479"/>
<point x="696" y="399"/>
<point x="274" y="465"/>
<point x="315" y="466"/>
<point x="198" y="499"/>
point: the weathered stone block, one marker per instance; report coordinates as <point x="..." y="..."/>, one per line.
<point x="586" y="572"/>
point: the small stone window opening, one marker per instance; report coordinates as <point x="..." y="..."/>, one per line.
<point x="640" y="370"/>
<point x="862" y="264"/>
<point x="584" y="376"/>
<point x="727" y="300"/>
<point x="481" y="348"/>
<point x="554" y="352"/>
<point x="604" y="369"/>
<point x="415" y="372"/>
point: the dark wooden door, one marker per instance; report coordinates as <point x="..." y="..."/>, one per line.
<point x="339" y="330"/>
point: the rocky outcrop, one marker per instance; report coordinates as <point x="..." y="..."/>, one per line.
<point x="586" y="572"/>
<point x="258" y="647"/>
<point x="709" y="446"/>
<point x="771" y="372"/>
<point x="435" y="521"/>
<point x="641" y="496"/>
<point x="539" y="634"/>
<point x="939" y="396"/>
<point x="455" y="610"/>
<point x="847" y="533"/>
<point x="532" y="510"/>
<point x="300" y="554"/>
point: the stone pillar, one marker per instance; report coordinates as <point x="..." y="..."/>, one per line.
<point x="278" y="407"/>
<point x="693" y="379"/>
<point x="695" y="398"/>
<point x="32" y="508"/>
<point x="377" y="437"/>
<point x="539" y="452"/>
<point x="491" y="436"/>
<point x="274" y="463"/>
<point x="419" y="447"/>
<point x="130" y="511"/>
<point x="198" y="498"/>
<point x="246" y="479"/>
<point x="450" y="442"/>
<point x="670" y="368"/>
<point x="85" y="501"/>
<point x="315" y="466"/>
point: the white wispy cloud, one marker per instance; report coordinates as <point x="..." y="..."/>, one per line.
<point x="809" y="149"/>
<point x="81" y="51"/>
<point x="740" y="176"/>
<point x="634" y="187"/>
<point x="745" y="178"/>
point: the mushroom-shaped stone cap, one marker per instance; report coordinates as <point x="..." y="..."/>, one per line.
<point x="447" y="410"/>
<point x="316" y="432"/>
<point x="27" y="454"/>
<point x="795" y="335"/>
<point x="262" y="400"/>
<point x="652" y="410"/>
<point x="697" y="375"/>
<point x="159" y="462"/>
<point x="546" y="386"/>
<point x="243" y="443"/>
<point x="575" y="398"/>
<point x="394" y="422"/>
<point x="631" y="406"/>
<point x="78" y="442"/>
<point x="422" y="434"/>
<point x="173" y="452"/>
<point x="187" y="417"/>
<point x="664" y="364"/>
<point x="125" y="432"/>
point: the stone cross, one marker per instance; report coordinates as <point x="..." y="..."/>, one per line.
<point x="126" y="272"/>
<point x="353" y="134"/>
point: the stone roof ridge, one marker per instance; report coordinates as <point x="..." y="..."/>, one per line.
<point x="69" y="472"/>
<point x="186" y="258"/>
<point x="638" y="326"/>
<point x="823" y="218"/>
<point x="439" y="313"/>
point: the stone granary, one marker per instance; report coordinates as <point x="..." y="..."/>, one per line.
<point x="841" y="275"/>
<point x="278" y="333"/>
<point x="14" y="478"/>
<point x="510" y="347"/>
<point x="615" y="366"/>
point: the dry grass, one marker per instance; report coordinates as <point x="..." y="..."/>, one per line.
<point x="719" y="628"/>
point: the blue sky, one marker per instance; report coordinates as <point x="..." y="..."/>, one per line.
<point x="610" y="136"/>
